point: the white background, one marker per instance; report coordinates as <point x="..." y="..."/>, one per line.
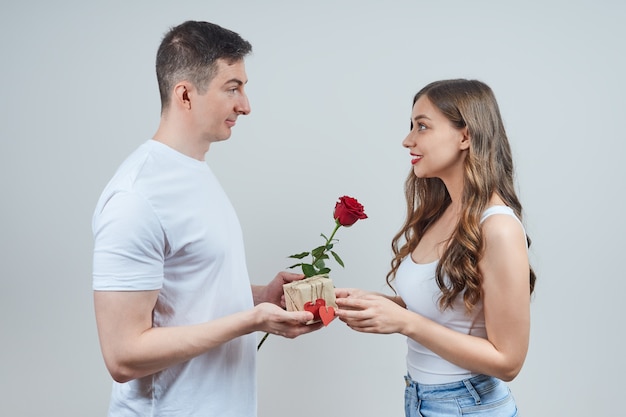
<point x="331" y="84"/>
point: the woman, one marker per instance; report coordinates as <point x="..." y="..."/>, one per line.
<point x="461" y="266"/>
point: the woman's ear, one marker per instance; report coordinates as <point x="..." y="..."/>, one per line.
<point x="465" y="142"/>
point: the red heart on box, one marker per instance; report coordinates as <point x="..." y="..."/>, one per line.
<point x="327" y="314"/>
<point x="315" y="307"/>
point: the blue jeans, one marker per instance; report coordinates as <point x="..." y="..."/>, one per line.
<point x="478" y="396"/>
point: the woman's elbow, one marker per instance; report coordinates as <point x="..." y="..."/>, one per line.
<point x="509" y="376"/>
<point x="508" y="372"/>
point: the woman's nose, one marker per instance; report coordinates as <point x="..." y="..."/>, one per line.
<point x="408" y="141"/>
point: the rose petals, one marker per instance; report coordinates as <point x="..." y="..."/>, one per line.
<point x="348" y="210"/>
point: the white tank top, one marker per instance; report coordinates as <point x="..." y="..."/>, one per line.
<point x="417" y="285"/>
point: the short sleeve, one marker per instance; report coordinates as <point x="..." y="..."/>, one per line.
<point x="129" y="245"/>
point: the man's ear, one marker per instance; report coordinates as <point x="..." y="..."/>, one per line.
<point x="465" y="142"/>
<point x="181" y="95"/>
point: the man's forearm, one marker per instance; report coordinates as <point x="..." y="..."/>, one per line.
<point x="258" y="294"/>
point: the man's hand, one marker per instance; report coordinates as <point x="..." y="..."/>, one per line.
<point x="290" y="324"/>
<point x="273" y="292"/>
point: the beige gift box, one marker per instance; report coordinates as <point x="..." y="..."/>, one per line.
<point x="298" y="293"/>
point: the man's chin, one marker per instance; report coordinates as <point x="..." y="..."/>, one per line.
<point x="221" y="138"/>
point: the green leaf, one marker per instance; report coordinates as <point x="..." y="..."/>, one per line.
<point x="293" y="266"/>
<point x="323" y="271"/>
<point x="337" y="258"/>
<point x="299" y="255"/>
<point x="324" y="236"/>
<point x="308" y="270"/>
<point x="319" y="263"/>
<point x="317" y="252"/>
<point x="329" y="246"/>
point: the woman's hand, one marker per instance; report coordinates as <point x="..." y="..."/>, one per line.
<point x="350" y="292"/>
<point x="370" y="312"/>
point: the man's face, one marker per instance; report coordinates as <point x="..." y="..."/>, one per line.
<point x="215" y="112"/>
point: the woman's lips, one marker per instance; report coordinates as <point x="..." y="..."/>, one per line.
<point x="415" y="159"/>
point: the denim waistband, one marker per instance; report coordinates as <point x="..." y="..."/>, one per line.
<point x="474" y="387"/>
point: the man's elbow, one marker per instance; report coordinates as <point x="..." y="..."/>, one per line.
<point x="119" y="371"/>
<point x="120" y="374"/>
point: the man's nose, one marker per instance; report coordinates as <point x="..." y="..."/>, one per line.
<point x="243" y="106"/>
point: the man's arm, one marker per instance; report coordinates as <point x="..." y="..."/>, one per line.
<point x="132" y="348"/>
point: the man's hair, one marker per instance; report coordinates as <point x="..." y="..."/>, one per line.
<point x="190" y="52"/>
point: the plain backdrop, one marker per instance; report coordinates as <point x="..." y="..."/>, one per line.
<point x="331" y="84"/>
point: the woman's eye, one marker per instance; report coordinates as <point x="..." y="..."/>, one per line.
<point x="421" y="126"/>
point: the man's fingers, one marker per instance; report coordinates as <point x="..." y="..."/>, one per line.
<point x="302" y="317"/>
<point x="288" y="277"/>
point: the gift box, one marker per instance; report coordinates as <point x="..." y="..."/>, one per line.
<point x="315" y="294"/>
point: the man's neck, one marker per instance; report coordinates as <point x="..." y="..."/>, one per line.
<point x="180" y="140"/>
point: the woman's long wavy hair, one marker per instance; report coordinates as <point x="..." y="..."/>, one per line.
<point x="488" y="169"/>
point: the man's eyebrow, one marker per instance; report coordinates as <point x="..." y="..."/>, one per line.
<point x="236" y="81"/>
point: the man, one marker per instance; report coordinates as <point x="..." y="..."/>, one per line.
<point x="175" y="311"/>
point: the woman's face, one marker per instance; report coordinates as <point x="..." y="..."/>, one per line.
<point x="437" y="148"/>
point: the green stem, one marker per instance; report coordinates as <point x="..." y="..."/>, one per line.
<point x="330" y="239"/>
<point x="337" y="226"/>
<point x="262" y="340"/>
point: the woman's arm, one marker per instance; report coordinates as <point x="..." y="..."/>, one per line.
<point x="359" y="293"/>
<point x="506" y="298"/>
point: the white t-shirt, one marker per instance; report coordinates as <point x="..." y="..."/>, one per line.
<point x="164" y="222"/>
<point x="417" y="285"/>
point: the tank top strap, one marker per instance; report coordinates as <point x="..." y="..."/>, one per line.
<point x="490" y="211"/>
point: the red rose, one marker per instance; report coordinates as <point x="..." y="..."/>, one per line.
<point x="348" y="210"/>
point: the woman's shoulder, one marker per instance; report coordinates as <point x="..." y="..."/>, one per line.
<point x="497" y="209"/>
<point x="500" y="223"/>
